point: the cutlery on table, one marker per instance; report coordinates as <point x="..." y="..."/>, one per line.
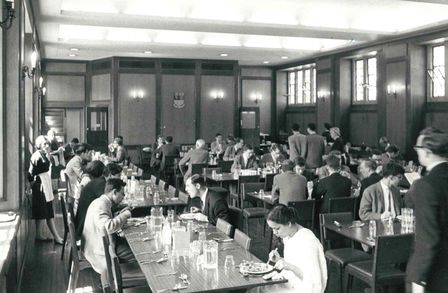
<point x="184" y="279"/>
<point x="165" y="274"/>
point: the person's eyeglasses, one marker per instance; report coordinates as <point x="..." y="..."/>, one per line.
<point x="416" y="147"/>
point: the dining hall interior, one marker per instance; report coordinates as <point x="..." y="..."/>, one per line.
<point x="231" y="146"/>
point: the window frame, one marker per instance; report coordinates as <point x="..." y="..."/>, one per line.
<point x="308" y="87"/>
<point x="365" y="82"/>
<point x="429" y="80"/>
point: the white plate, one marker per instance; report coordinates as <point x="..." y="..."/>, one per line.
<point x="259" y="268"/>
<point x="188" y="216"/>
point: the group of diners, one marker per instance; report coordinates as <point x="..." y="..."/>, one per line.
<point x="314" y="168"/>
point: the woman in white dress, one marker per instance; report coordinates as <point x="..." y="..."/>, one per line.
<point x="304" y="264"/>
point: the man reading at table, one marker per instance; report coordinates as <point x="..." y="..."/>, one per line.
<point x="246" y="160"/>
<point x="382" y="200"/>
<point x="212" y="204"/>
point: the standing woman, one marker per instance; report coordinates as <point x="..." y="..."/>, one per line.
<point x="304" y="262"/>
<point x="42" y="201"/>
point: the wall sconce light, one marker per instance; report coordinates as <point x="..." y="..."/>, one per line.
<point x="322" y="94"/>
<point x="40" y="90"/>
<point x="257" y="97"/>
<point x="137" y="95"/>
<point x="392" y="90"/>
<point x="217" y="95"/>
<point x="26" y="71"/>
<point x="8" y="6"/>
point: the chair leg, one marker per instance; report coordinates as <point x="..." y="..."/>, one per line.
<point x="348" y="282"/>
<point x="70" y="258"/>
<point x="64" y="243"/>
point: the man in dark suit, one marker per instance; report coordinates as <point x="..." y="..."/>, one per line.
<point x="274" y="156"/>
<point x="333" y="186"/>
<point x="197" y="156"/>
<point x="246" y="160"/>
<point x="369" y="177"/>
<point x="382" y="200"/>
<point x="289" y="186"/>
<point x="212" y="204"/>
<point x="315" y="148"/>
<point x="169" y="149"/>
<point x="428" y="266"/>
<point x="297" y="144"/>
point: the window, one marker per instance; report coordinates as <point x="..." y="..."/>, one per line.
<point x="302" y="85"/>
<point x="365" y="76"/>
<point x="436" y="72"/>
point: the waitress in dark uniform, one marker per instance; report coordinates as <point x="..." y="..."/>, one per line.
<point x="42" y="191"/>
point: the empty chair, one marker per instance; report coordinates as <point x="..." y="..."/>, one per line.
<point x="306" y="210"/>
<point x="225" y="166"/>
<point x="236" y="197"/>
<point x="198" y="168"/>
<point x="236" y="217"/>
<point x="242" y="239"/>
<point x="268" y="181"/>
<point x="249" y="187"/>
<point x="224" y="227"/>
<point x="76" y="265"/>
<point x="64" y="218"/>
<point x="338" y="258"/>
<point x="154" y="180"/>
<point x="139" y="172"/>
<point x="342" y="204"/>
<point x="391" y="253"/>
<point x="162" y="184"/>
<point x="209" y="171"/>
<point x="172" y="191"/>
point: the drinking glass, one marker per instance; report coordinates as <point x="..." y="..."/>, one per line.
<point x="202" y="236"/>
<point x="210" y="254"/>
<point x="229" y="263"/>
<point x="261" y="192"/>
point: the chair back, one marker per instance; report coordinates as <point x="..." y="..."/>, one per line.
<point x="391" y="249"/>
<point x="330" y="239"/>
<point x="224" y="227"/>
<point x="342" y="205"/>
<point x="242" y="239"/>
<point x="139" y="172"/>
<point x="268" y="181"/>
<point x="208" y="171"/>
<point x="74" y="269"/>
<point x="64" y="211"/>
<point x="107" y="255"/>
<point x="69" y="185"/>
<point x="172" y="191"/>
<point x="183" y="196"/>
<point x="250" y="187"/>
<point x="162" y="184"/>
<point x="236" y="217"/>
<point x="197" y="168"/>
<point x="225" y="166"/>
<point x="154" y="180"/>
<point x="306" y="210"/>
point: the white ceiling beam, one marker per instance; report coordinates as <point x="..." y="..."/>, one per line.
<point x="210" y="26"/>
<point x="429" y="1"/>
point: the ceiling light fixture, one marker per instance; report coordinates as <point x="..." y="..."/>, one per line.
<point x="147" y="52"/>
<point x="74" y="49"/>
<point x="72" y="55"/>
<point x="266" y="62"/>
<point x="223" y="54"/>
<point x="284" y="57"/>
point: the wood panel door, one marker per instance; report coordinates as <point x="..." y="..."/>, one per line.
<point x="396" y="103"/>
<point x="324" y="105"/>
<point x="250" y="125"/>
<point x="179" y="107"/>
<point x="97" y="128"/>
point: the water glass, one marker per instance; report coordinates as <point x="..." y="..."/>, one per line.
<point x="202" y="236"/>
<point x="170" y="216"/>
<point x="261" y="192"/>
<point x="229" y="263"/>
<point x="210" y="254"/>
<point x="372" y="229"/>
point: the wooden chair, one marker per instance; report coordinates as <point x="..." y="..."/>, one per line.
<point x="224" y="227"/>
<point x="306" y="210"/>
<point x="76" y="265"/>
<point x="242" y="239"/>
<point x="154" y="180"/>
<point x="65" y="220"/>
<point x="119" y="276"/>
<point x="236" y="197"/>
<point x="162" y="184"/>
<point x="339" y="257"/>
<point x="198" y="168"/>
<point x="209" y="171"/>
<point x="342" y="204"/>
<point x="225" y="166"/>
<point x="249" y="187"/>
<point x="139" y="172"/>
<point x="183" y="196"/>
<point x="268" y="181"/>
<point x="172" y="191"/>
<point x="391" y="254"/>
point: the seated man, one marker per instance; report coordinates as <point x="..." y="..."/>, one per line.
<point x="290" y="186"/>
<point x="369" y="177"/>
<point x="300" y="169"/>
<point x="212" y="204"/>
<point x="274" y="156"/>
<point x="197" y="156"/>
<point x="324" y="171"/>
<point x="382" y="199"/>
<point x="233" y="150"/>
<point x="246" y="160"/>
<point x="93" y="190"/>
<point x="119" y="153"/>
<point x="219" y="146"/>
<point x="99" y="219"/>
<point x="333" y="186"/>
<point x="75" y="167"/>
<point x="392" y="154"/>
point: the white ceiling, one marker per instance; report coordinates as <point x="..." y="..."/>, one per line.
<point x="250" y="31"/>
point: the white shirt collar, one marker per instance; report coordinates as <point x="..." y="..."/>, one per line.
<point x="203" y="197"/>
<point x="386" y="191"/>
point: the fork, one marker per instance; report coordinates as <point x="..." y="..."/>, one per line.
<point x="184" y="279"/>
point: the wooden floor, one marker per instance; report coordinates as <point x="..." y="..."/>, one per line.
<point x="44" y="272"/>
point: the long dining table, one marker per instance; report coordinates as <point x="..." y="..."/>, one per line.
<point x="360" y="233"/>
<point x="163" y="276"/>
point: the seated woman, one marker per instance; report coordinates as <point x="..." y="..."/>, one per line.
<point x="304" y="262"/>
